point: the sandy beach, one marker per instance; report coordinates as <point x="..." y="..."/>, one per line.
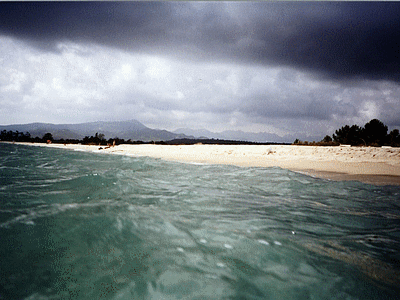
<point x="367" y="164"/>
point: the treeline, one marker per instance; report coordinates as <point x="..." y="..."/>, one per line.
<point x="99" y="140"/>
<point x="186" y="141"/>
<point x="15" y="136"/>
<point x="11" y="136"/>
<point x="374" y="133"/>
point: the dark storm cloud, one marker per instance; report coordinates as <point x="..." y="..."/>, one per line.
<point x="108" y="23"/>
<point x="356" y="40"/>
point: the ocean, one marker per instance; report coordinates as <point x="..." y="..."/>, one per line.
<point x="78" y="225"/>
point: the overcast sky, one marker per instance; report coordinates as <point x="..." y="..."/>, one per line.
<point x="280" y="67"/>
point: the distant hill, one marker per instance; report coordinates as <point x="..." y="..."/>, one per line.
<point x="238" y="135"/>
<point x="132" y="129"/>
<point x="136" y="131"/>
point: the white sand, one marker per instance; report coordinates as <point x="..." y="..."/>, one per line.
<point x="367" y="164"/>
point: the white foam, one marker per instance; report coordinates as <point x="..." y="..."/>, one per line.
<point x="263" y="242"/>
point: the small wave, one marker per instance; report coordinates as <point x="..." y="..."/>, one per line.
<point x="141" y="227"/>
<point x="28" y="216"/>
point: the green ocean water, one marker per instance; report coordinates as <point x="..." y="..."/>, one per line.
<point x="76" y="225"/>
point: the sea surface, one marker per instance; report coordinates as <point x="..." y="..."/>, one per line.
<point x="78" y="225"/>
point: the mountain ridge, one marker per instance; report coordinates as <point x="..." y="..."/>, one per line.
<point x="259" y="137"/>
<point x="136" y="131"/>
<point x="131" y="129"/>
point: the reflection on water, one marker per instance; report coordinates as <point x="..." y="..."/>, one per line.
<point x="88" y="226"/>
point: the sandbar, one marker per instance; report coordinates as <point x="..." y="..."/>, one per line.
<point x="375" y="165"/>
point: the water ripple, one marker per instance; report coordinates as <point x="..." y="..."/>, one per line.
<point x="114" y="227"/>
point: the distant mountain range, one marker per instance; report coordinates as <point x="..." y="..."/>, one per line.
<point x="132" y="129"/>
<point x="136" y="131"/>
<point x="238" y="135"/>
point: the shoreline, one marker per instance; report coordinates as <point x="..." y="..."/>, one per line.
<point x="379" y="166"/>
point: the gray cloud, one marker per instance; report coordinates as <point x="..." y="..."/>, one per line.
<point x="284" y="67"/>
<point x="338" y="40"/>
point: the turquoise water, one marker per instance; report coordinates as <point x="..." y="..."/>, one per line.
<point x="77" y="225"/>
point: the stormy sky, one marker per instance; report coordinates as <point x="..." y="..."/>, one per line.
<point x="306" y="68"/>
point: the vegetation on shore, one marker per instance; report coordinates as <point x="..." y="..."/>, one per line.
<point x="17" y="136"/>
<point x="99" y="140"/>
<point x="374" y="133"/>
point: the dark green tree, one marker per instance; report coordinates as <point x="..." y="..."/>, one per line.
<point x="349" y="135"/>
<point x="15" y="136"/>
<point x="375" y="132"/>
<point x="27" y="137"/>
<point x="47" y="137"/>
<point x="97" y="139"/>
<point x="393" y="138"/>
<point x="296" y="142"/>
<point x="327" y="139"/>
